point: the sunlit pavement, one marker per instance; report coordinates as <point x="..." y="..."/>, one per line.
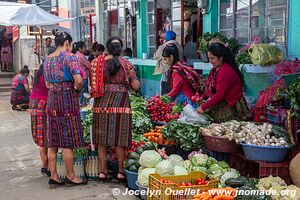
<point x="20" y="176"/>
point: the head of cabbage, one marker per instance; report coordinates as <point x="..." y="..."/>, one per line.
<point x="143" y="176"/>
<point x="176" y="160"/>
<point x="165" y="168"/>
<point x="199" y="160"/>
<point x="179" y="170"/>
<point x="149" y="159"/>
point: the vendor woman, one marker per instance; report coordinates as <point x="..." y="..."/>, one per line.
<point x="178" y="74"/>
<point x="224" y="87"/>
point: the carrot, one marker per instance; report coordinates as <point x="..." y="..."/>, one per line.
<point x="152" y="130"/>
<point x="160" y="140"/>
<point x="223" y="197"/>
<point x="167" y="142"/>
<point x="152" y="134"/>
<point x="149" y="138"/>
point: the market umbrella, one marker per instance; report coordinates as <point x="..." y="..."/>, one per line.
<point x="18" y="14"/>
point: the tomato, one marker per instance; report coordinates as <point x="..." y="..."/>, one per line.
<point x="189" y="184"/>
<point x="198" y="99"/>
<point x="162" y="180"/>
<point x="193" y="99"/>
<point x="183" y="184"/>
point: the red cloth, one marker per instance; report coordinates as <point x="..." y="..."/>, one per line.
<point x="222" y="84"/>
<point x="265" y="97"/>
<point x="97" y="76"/>
<point x="287" y="67"/>
<point x="178" y="84"/>
<point x="40" y="91"/>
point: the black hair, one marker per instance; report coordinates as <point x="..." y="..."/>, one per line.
<point x="25" y="70"/>
<point x="38" y="74"/>
<point x="61" y="37"/>
<point x="127" y="52"/>
<point x="171" y="50"/>
<point x="221" y="51"/>
<point x="98" y="47"/>
<point x="77" y="46"/>
<point x="114" y="47"/>
<point x="47" y="38"/>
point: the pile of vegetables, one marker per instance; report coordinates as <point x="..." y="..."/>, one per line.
<point x="215" y="194"/>
<point x="250" y="133"/>
<point x="293" y="92"/>
<point x="161" y="109"/>
<point x="87" y="123"/>
<point x="141" y="122"/>
<point x="157" y="137"/>
<point x="215" y="169"/>
<point x="133" y="155"/>
<point x="80" y="152"/>
<point x="277" y="184"/>
<point x="186" y="136"/>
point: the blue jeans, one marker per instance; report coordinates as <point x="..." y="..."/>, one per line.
<point x="84" y="90"/>
<point x="181" y="98"/>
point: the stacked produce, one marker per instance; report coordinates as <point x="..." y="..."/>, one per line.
<point x="156" y="136"/>
<point x="133" y="154"/>
<point x="161" y="109"/>
<point x="250" y="133"/>
<point x="186" y="136"/>
<point x="277" y="184"/>
<point x="141" y="122"/>
<point x="215" y="194"/>
<point x="87" y="123"/>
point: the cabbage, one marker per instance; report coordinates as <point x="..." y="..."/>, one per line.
<point x="215" y="174"/>
<point x="143" y="176"/>
<point x="199" y="160"/>
<point x="199" y="169"/>
<point x="149" y="159"/>
<point x="211" y="161"/>
<point x="165" y="168"/>
<point x="187" y="165"/>
<point x="223" y="164"/>
<point x="227" y="175"/>
<point x="215" y="168"/>
<point x="179" y="170"/>
<point x="176" y="160"/>
<point x="141" y="168"/>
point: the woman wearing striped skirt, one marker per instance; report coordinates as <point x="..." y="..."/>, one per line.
<point x="111" y="78"/>
<point x="37" y="109"/>
<point x="63" y="79"/>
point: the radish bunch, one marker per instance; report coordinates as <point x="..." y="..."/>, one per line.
<point x="160" y="109"/>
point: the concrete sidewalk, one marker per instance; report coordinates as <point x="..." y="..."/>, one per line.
<point x="20" y="165"/>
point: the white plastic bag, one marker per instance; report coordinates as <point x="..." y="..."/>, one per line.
<point x="190" y="116"/>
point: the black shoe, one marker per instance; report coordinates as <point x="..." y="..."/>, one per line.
<point x="71" y="183"/>
<point x="48" y="173"/>
<point x="44" y="171"/>
<point x="54" y="184"/>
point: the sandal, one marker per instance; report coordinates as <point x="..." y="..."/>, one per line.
<point x="106" y="178"/>
<point x="54" y="184"/>
<point x="121" y="179"/>
<point x="71" y="183"/>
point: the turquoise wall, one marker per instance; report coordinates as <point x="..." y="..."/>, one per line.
<point x="210" y="20"/>
<point x="294" y="29"/>
<point x="141" y="29"/>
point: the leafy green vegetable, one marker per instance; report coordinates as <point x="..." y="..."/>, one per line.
<point x="211" y="161"/>
<point x="149" y="159"/>
<point x="165" y="168"/>
<point x="187" y="136"/>
<point x="179" y="170"/>
<point x="199" y="169"/>
<point x="81" y="151"/>
<point x="178" y="108"/>
<point x="199" y="160"/>
<point x="293" y="92"/>
<point x="166" y="99"/>
<point x="243" y="58"/>
<point x="176" y="160"/>
<point x="143" y="176"/>
<point x="86" y="124"/>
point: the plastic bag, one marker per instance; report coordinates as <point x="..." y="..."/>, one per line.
<point x="265" y="54"/>
<point x="190" y="116"/>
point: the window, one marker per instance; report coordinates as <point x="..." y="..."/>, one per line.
<point x="245" y="19"/>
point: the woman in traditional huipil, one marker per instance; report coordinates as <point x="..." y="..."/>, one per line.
<point x="37" y="109"/>
<point x="64" y="81"/>
<point x="111" y="78"/>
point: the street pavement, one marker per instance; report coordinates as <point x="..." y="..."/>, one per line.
<point x="20" y="165"/>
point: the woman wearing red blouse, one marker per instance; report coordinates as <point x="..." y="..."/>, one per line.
<point x="178" y="73"/>
<point x="224" y="87"/>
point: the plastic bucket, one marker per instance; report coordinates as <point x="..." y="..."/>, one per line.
<point x="143" y="191"/>
<point x="131" y="179"/>
<point x="220" y="144"/>
<point x="265" y="153"/>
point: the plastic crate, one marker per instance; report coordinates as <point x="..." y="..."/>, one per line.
<point x="217" y="155"/>
<point x="164" y="189"/>
<point x="258" y="169"/>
